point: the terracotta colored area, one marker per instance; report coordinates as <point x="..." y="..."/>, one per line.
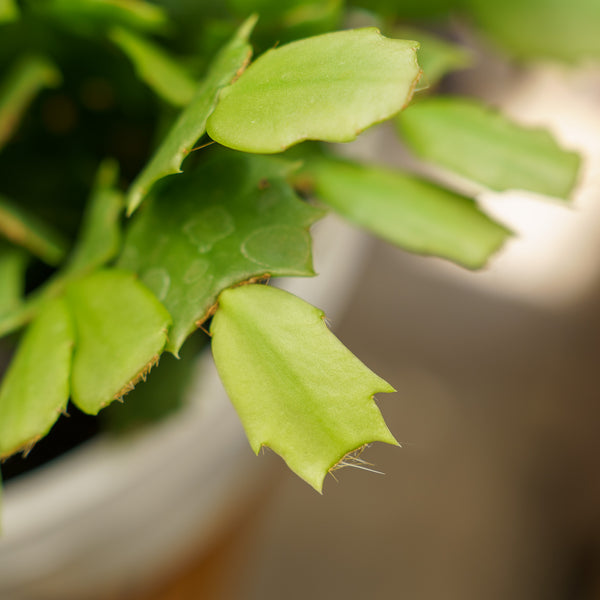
<point x="210" y="574"/>
<point x="201" y="577"/>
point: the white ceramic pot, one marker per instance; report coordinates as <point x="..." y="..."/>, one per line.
<point x="118" y="512"/>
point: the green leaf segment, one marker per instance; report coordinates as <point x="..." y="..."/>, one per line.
<point x="191" y="123"/>
<point x="84" y="15"/>
<point x="35" y="390"/>
<point x="13" y="262"/>
<point x="481" y="144"/>
<point x="155" y="67"/>
<point x="121" y="333"/>
<point x="232" y="219"/>
<point x="25" y="79"/>
<point x="295" y="386"/>
<point x="94" y="331"/>
<point x="98" y="243"/>
<point x="93" y="343"/>
<point x="24" y="230"/>
<point x="100" y="233"/>
<point x="329" y="87"/>
<point x="414" y="214"/>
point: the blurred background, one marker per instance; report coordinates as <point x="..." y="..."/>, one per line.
<point x="495" y="490"/>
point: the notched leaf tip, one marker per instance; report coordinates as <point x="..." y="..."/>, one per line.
<point x="140" y="376"/>
<point x="25" y="449"/>
<point x="265" y="278"/>
<point x="413" y="89"/>
<point x="353" y="459"/>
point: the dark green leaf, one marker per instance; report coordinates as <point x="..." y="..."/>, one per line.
<point x="290" y="20"/>
<point x="13" y="262"/>
<point x="295" y="386"/>
<point x="21" y="314"/>
<point x="35" y="389"/>
<point x="18" y="88"/>
<point x="27" y="231"/>
<point x="481" y="144"/>
<point x="100" y="234"/>
<point x="274" y="10"/>
<point x="155" y="67"/>
<point x="86" y="14"/>
<point x="232" y="219"/>
<point x="191" y="124"/>
<point x="99" y="241"/>
<point x="329" y="87"/>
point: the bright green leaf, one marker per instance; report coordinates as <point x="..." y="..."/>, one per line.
<point x="35" y="389"/>
<point x="191" y="124"/>
<point x="409" y="212"/>
<point x="13" y="262"/>
<point x="8" y="11"/>
<point x="100" y="234"/>
<point x="155" y="67"/>
<point x="27" y="231"/>
<point x="541" y="28"/>
<point x="232" y="219"/>
<point x="18" y="88"/>
<point x="481" y="144"/>
<point x="121" y="332"/>
<point x="329" y="87"/>
<point x="295" y="386"/>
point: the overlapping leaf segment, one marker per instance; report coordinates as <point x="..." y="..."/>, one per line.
<point x="234" y="217"/>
